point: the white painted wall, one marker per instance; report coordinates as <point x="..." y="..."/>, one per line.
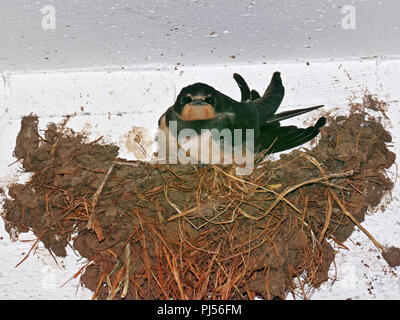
<point x="115" y="59"/>
<point x="121" y="33"/>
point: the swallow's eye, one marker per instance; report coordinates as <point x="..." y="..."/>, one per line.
<point x="210" y="100"/>
<point x="186" y="99"/>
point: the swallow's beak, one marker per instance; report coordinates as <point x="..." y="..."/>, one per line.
<point x="198" y="110"/>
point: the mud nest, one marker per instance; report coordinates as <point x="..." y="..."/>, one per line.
<point x="152" y="231"/>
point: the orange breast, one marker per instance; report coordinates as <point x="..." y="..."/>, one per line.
<point x="192" y="113"/>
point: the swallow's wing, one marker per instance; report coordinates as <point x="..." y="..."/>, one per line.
<point x="290" y="114"/>
<point x="270" y="101"/>
<point x="275" y="138"/>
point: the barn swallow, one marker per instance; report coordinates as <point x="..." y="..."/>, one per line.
<point x="200" y="106"/>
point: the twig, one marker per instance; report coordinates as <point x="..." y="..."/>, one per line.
<point x="127" y="270"/>
<point x="354" y="220"/>
<point x="93" y="223"/>
<point x="258" y="186"/>
<point x="345" y="211"/>
<point x="291" y="189"/>
<point x="327" y="219"/>
<point x="100" y="188"/>
<point x="34" y="244"/>
<point x="99" y="285"/>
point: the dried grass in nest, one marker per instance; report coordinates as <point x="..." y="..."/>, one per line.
<point x="154" y="231"/>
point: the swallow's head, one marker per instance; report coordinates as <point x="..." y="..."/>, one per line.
<point x="198" y="101"/>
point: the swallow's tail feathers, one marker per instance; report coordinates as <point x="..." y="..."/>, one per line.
<point x="290" y="114"/>
<point x="276" y="139"/>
